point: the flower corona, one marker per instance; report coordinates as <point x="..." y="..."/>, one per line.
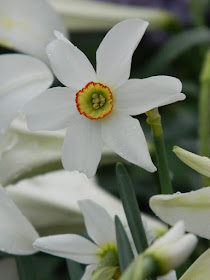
<point x="94" y="101"/>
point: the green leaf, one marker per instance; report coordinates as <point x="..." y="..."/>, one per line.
<point x="104" y="273"/>
<point x="25" y="268"/>
<point x="125" y="253"/>
<point x="176" y="46"/>
<point x="74" y="269"/>
<point x="131" y="208"/>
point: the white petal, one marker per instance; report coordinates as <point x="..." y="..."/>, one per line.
<point x="115" y="51"/>
<point x="189" y="207"/>
<point x="177" y="252"/>
<point x="28" y="25"/>
<point x="51" y="110"/>
<point x="169" y="276"/>
<point x="16" y="232"/>
<point x="99" y="224"/>
<point x="82" y="146"/>
<point x="138" y="96"/>
<point x="124" y="135"/>
<point x="69" y="64"/>
<point x="22" y="78"/>
<point x="88" y="271"/>
<point x="200" y="269"/>
<point x="173" y="234"/>
<point x="49" y="201"/>
<point x="198" y="163"/>
<point x="70" y="246"/>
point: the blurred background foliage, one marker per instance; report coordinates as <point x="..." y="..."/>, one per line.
<point x="177" y="50"/>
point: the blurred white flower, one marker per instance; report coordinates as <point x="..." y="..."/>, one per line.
<point x="104" y="101"/>
<point x="16" y="232"/>
<point x="27" y="26"/>
<point x="22" y="78"/>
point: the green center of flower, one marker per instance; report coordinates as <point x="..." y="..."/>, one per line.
<point x="94" y="101"/>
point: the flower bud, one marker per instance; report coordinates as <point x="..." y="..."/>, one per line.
<point x="172" y="249"/>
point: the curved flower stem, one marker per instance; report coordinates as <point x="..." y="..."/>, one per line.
<point x="204" y="112"/>
<point x="154" y="120"/>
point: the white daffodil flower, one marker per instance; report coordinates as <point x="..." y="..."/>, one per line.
<point x="192" y="207"/>
<point x="100" y="228"/>
<point x="172" y="249"/>
<point x="16" y="233"/>
<point x="27" y="26"/>
<point x="22" y="78"/>
<point x="96" y="107"/>
<point x="199" y="163"/>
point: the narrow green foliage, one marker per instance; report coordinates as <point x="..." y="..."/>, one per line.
<point x="125" y="253"/>
<point x="74" y="269"/>
<point x="25" y="268"/>
<point x="131" y="208"/>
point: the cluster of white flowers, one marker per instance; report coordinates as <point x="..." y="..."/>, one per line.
<point x="96" y="107"/>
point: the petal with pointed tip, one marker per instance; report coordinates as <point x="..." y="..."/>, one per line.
<point x="16" y="233"/>
<point x="69" y="64"/>
<point x="82" y="146"/>
<point x="99" y="224"/>
<point x="124" y="135"/>
<point x="70" y="246"/>
<point x="138" y="96"/>
<point x="196" y="162"/>
<point x="116" y="50"/>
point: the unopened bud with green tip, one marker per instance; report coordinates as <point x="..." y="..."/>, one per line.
<point x="199" y="163"/>
<point x="167" y="253"/>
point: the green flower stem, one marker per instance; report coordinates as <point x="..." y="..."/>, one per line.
<point x="154" y="120"/>
<point x="204" y="113"/>
<point x="75" y="270"/>
<point x="150" y="268"/>
<point x="25" y="268"/>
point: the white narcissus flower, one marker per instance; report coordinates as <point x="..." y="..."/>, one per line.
<point x="22" y="78"/>
<point x="27" y="26"/>
<point x="16" y="233"/>
<point x="96" y="106"/>
<point x="192" y="207"/>
<point x="100" y="228"/>
<point x="172" y="249"/>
